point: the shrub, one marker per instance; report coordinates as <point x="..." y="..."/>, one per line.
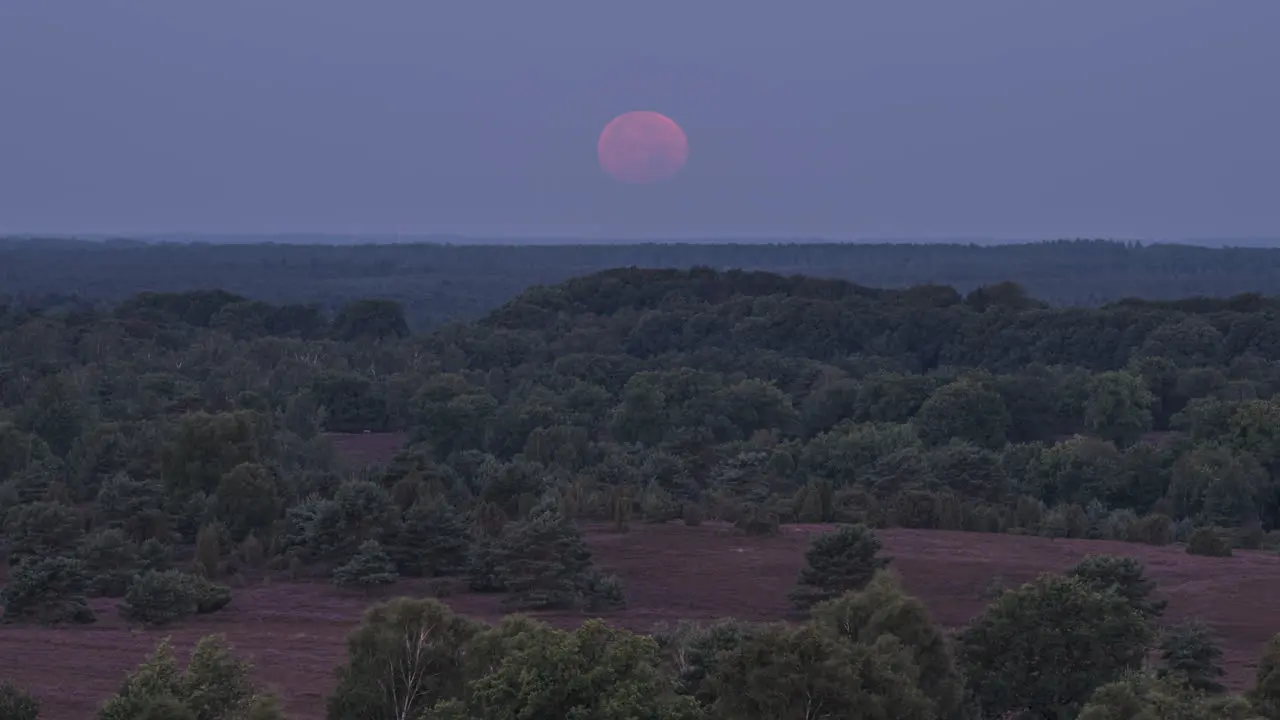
<point x="156" y="598"/>
<point x="369" y="567"/>
<point x="47" y="590"/>
<point x="837" y="563"/>
<point x="159" y="597"/>
<point x="599" y="592"/>
<point x="692" y="514"/>
<point x="1153" y="529"/>
<point x="16" y="703"/>
<point x="1118" y="525"/>
<point x="758" y="523"/>
<point x="1209" y="542"/>
<point x="210" y="596"/>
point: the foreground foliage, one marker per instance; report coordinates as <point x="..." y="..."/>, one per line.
<point x="215" y="685"/>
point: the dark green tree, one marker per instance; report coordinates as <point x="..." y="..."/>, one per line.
<point x="369" y="567"/>
<point x="592" y="672"/>
<point x="1266" y="689"/>
<point x="1142" y="697"/>
<point x="111" y="561"/>
<point x="161" y="597"/>
<point x="694" y="651"/>
<point x="544" y="563"/>
<point x="964" y="410"/>
<point x="1045" y="647"/>
<point x="406" y="657"/>
<point x="836" y="563"/>
<point x="883" y="608"/>
<point x="1119" y="407"/>
<point x="1124" y="575"/>
<point x="786" y="673"/>
<point x="1189" y="655"/>
<point x="248" y="499"/>
<point x="41" y="529"/>
<point x="48" y="590"/>
<point x="433" y="541"/>
<point x="216" y="685"/>
<point x="1209" y="542"/>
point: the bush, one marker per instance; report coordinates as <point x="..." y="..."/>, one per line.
<point x="16" y="703"/>
<point x="692" y="515"/>
<point x="1209" y="542"/>
<point x="601" y="592"/>
<point x="47" y="590"/>
<point x="837" y="563"/>
<point x="369" y="567"/>
<point x="210" y="596"/>
<point x="156" y="598"/>
<point x="1153" y="529"/>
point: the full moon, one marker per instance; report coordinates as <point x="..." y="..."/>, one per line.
<point x="642" y="147"/>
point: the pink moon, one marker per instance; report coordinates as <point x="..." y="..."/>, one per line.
<point x="642" y="147"/>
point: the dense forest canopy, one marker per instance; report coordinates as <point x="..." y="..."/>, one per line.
<point x="438" y="284"/>
<point x="150" y="448"/>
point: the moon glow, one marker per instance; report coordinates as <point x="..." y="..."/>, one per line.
<point x="642" y="147"/>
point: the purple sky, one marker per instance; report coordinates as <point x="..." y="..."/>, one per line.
<point x="1151" y="119"/>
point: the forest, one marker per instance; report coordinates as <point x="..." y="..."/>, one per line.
<point x="156" y="444"/>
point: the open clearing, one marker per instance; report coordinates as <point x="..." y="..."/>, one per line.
<point x="294" y="631"/>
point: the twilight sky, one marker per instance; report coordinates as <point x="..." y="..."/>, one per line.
<point x="1154" y="119"/>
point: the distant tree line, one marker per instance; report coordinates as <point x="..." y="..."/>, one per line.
<point x="441" y="284"/>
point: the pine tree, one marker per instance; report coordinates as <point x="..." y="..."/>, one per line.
<point x="837" y="563"/>
<point x="543" y="562"/>
<point x="111" y="560"/>
<point x="370" y="566"/>
<point x="432" y="541"/>
<point x="48" y="590"/>
<point x="155" y="556"/>
<point x="1188" y="654"/>
<point x="1124" y="575"/>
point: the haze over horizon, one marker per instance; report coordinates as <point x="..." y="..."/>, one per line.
<point x="995" y="119"/>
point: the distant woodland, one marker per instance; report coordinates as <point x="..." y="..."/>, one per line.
<point x="153" y="449"/>
<point x="439" y="284"/>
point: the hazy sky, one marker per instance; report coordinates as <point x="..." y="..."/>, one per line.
<point x="837" y="118"/>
